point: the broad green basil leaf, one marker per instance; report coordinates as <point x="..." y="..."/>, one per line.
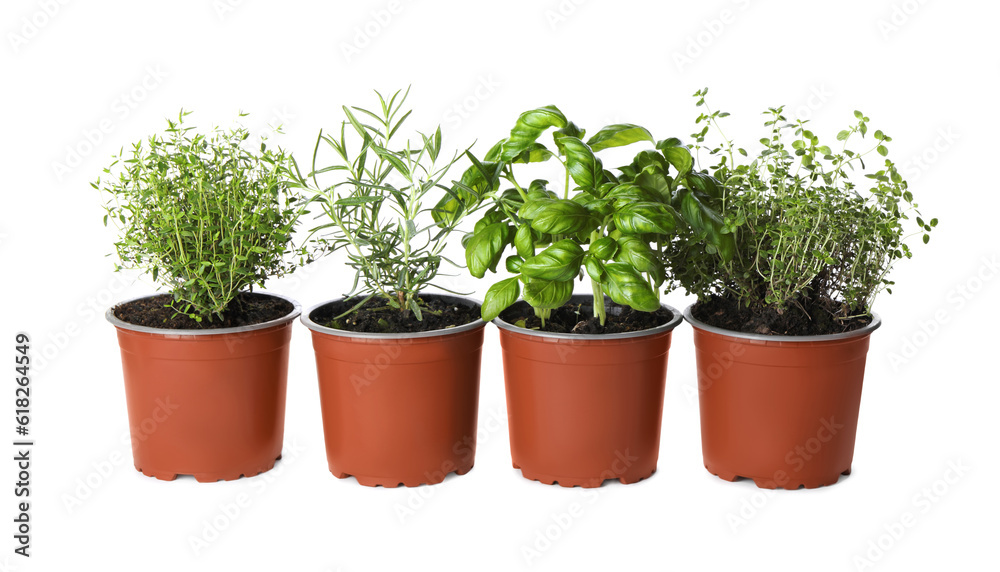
<point x="514" y="263"/>
<point x="556" y="216"/>
<point x="528" y="128"/>
<point x="626" y="286"/>
<point x="467" y="192"/>
<point x="680" y="158"/>
<point x="493" y="155"/>
<point x="599" y="207"/>
<point x="534" y="205"/>
<point x="705" y="220"/>
<point x="705" y="183"/>
<point x="604" y="248"/>
<point x="524" y="241"/>
<point x="595" y="268"/>
<point x="571" y="130"/>
<point x="668" y="142"/>
<point x="499" y="297"/>
<point x="628" y="193"/>
<point x="559" y="262"/>
<point x="650" y="159"/>
<point x="536" y="153"/>
<point x="644" y="218"/>
<point x="657" y="181"/>
<point x="636" y="253"/>
<point x="546" y="294"/>
<point x="540" y="186"/>
<point x="586" y="169"/>
<point x="619" y="135"/>
<point x="485" y="248"/>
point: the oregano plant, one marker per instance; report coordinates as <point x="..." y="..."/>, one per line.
<point x="208" y="215"/>
<point x="807" y="232"/>
<point x="610" y="227"/>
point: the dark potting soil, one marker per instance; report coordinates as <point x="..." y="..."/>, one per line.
<point x="375" y="316"/>
<point x="811" y="317"/>
<point x="246" y="309"/>
<point x="579" y="319"/>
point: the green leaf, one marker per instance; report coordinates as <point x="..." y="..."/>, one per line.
<point x="546" y="294"/>
<point x="705" y="183"/>
<point x="528" y="128"/>
<point x="882" y="150"/>
<point x="557" y="216"/>
<point x="397" y="163"/>
<point x="636" y="253"/>
<point x="604" y="248"/>
<point x="524" y="241"/>
<point x="355" y="201"/>
<point x="513" y="263"/>
<point x="645" y="217"/>
<point x="536" y="153"/>
<point x="680" y="158"/>
<point x="625" y="285"/>
<point x="619" y="135"/>
<point x="707" y="221"/>
<point x="584" y="167"/>
<point x="843" y="135"/>
<point x="570" y="130"/>
<point x="485" y="248"/>
<point x="595" y="268"/>
<point x="559" y="262"/>
<point x="415" y="308"/>
<point x="499" y="297"/>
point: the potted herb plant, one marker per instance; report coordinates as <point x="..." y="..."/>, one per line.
<point x="205" y="365"/>
<point x="782" y="324"/>
<point x="584" y="374"/>
<point x="398" y="367"/>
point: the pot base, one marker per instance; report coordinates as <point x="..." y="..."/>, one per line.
<point x="209" y="477"/>
<point x="394" y="482"/>
<point x="582" y="482"/>
<point x="789" y="484"/>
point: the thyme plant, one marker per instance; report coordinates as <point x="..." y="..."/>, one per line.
<point x="804" y="231"/>
<point x="204" y="214"/>
<point x="375" y="210"/>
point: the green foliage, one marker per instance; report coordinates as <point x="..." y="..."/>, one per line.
<point x="611" y="227"/>
<point x="204" y="214"/>
<point x="375" y="211"/>
<point x="800" y="227"/>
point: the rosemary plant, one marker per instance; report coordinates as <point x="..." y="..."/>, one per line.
<point x="375" y="209"/>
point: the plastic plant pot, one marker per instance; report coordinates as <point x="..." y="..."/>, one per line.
<point x="208" y="403"/>
<point x="583" y="408"/>
<point x="399" y="409"/>
<point x="781" y="410"/>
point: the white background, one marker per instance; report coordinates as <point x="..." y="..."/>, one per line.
<point x="926" y="73"/>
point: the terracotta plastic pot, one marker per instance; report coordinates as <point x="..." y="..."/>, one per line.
<point x="781" y="410"/>
<point x="208" y="403"/>
<point x="399" y="409"/>
<point x="585" y="408"/>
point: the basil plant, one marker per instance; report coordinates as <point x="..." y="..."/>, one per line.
<point x="609" y="226"/>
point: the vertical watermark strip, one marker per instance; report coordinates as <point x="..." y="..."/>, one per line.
<point x="23" y="444"/>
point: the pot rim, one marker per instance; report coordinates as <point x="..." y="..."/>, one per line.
<point x="669" y="326"/>
<point x="109" y="315"/>
<point x="306" y="320"/>
<point x="696" y="323"/>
